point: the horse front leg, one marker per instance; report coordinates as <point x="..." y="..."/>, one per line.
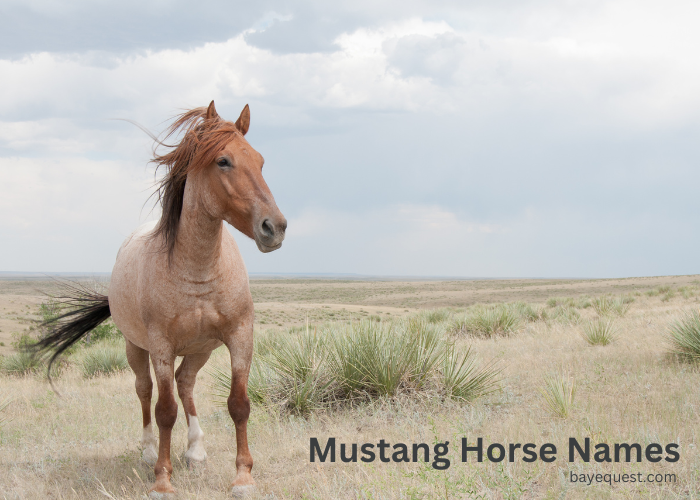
<point x="239" y="408"/>
<point x="166" y="414"/>
<point x="186" y="376"/>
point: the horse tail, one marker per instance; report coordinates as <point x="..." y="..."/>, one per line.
<point x="87" y="310"/>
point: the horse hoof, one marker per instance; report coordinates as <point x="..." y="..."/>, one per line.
<point x="157" y="495"/>
<point x="242" y="492"/>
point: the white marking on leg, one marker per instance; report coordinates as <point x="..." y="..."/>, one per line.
<point x="149" y="446"/>
<point x="195" y="442"/>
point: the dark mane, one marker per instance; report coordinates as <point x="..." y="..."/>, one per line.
<point x="203" y="138"/>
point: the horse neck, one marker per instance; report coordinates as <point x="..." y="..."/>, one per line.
<point x="196" y="254"/>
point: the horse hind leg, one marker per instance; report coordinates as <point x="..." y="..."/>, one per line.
<point x="186" y="376"/>
<point x="138" y="360"/>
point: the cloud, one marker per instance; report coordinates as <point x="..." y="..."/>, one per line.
<point x="458" y="134"/>
<point x="437" y="57"/>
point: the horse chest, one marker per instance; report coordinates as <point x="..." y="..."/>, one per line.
<point x="200" y="319"/>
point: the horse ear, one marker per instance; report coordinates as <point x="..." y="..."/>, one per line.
<point x="243" y="121"/>
<point x="211" y="111"/>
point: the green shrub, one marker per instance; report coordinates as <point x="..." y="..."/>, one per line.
<point x="104" y="331"/>
<point x="260" y="383"/>
<point x="21" y="363"/>
<point x="104" y="360"/>
<point x="301" y="372"/>
<point x="488" y="321"/>
<point x="558" y="395"/>
<point x="462" y="379"/>
<point x="683" y="336"/>
<point x="668" y="296"/>
<point x="358" y="361"/>
<point x="607" y="305"/>
<point x="373" y="358"/>
<point x="584" y="302"/>
<point x="599" y="332"/>
<point x="528" y="312"/>
<point x="436" y="315"/>
<point x="21" y="341"/>
<point x="565" y="314"/>
<point x="50" y="310"/>
<point x="560" y="301"/>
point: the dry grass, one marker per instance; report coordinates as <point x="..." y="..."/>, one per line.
<point x="84" y="445"/>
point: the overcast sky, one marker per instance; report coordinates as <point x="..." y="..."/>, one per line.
<point x="485" y="138"/>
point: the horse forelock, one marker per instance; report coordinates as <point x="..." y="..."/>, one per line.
<point x="201" y="141"/>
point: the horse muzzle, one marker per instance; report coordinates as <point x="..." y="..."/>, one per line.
<point x="269" y="233"/>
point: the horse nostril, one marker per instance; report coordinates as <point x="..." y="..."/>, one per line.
<point x="283" y="225"/>
<point x="267" y="229"/>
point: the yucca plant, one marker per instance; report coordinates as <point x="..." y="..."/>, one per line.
<point x="565" y="314"/>
<point x="683" y="336"/>
<point x="105" y="360"/>
<point x="599" y="331"/>
<point x="344" y="362"/>
<point x="436" y="315"/>
<point x="584" y="302"/>
<point x="21" y="363"/>
<point x="299" y="365"/>
<point x="528" y="312"/>
<point x="424" y="350"/>
<point x="488" y="321"/>
<point x="558" y="394"/>
<point x="385" y="358"/>
<point x="260" y="383"/>
<point x="463" y="379"/>
<point x="606" y="305"/>
<point x="668" y="296"/>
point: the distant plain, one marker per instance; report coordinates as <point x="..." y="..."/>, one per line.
<point x="85" y="443"/>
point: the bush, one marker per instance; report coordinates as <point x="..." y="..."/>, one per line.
<point x="104" y="360"/>
<point x="668" y="296"/>
<point x="565" y="314"/>
<point x="606" y="305"/>
<point x="488" y="321"/>
<point x="683" y="336"/>
<point x="358" y="361"/>
<point x="560" y="301"/>
<point x="436" y="315"/>
<point x="584" y="302"/>
<point x="599" y="332"/>
<point x="558" y="395"/>
<point x="463" y="379"/>
<point x="21" y="363"/>
<point x="302" y="379"/>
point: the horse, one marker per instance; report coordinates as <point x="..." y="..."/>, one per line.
<point x="179" y="287"/>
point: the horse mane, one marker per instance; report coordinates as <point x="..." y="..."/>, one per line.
<point x="202" y="139"/>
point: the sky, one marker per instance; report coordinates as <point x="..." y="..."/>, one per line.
<point x="499" y="138"/>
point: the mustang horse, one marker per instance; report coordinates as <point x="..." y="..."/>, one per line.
<point x="180" y="287"/>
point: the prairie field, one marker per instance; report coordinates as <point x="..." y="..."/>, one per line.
<point x="567" y="358"/>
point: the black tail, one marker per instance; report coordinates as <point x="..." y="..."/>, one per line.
<point x="87" y="310"/>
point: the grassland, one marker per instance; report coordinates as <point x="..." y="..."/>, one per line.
<point x="85" y="443"/>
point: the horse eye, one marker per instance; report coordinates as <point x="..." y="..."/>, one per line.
<point x="223" y="162"/>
